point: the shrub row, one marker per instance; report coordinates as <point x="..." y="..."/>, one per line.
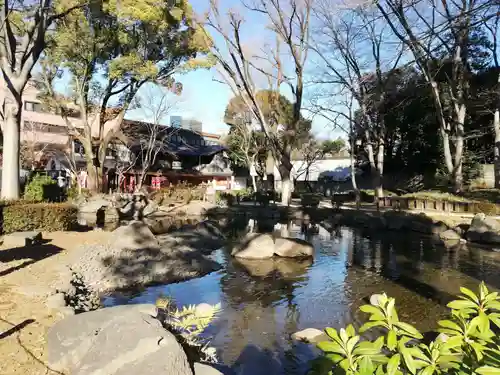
<point x="180" y="193"/>
<point x="21" y="216"/>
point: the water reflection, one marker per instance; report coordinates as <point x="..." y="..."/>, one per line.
<point x="265" y="301"/>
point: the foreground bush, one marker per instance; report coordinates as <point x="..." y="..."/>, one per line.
<point x="49" y="217"/>
<point x="42" y="189"/>
<point x="467" y="343"/>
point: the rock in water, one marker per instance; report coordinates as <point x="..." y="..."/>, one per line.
<point x="255" y="246"/>
<point x="484" y="229"/>
<point x="122" y="340"/>
<point x="310" y="335"/>
<point x="293" y="248"/>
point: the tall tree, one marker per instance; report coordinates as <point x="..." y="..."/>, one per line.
<point x="110" y="50"/>
<point x="354" y="50"/>
<point x="428" y="28"/>
<point x="288" y="23"/>
<point x="25" y="28"/>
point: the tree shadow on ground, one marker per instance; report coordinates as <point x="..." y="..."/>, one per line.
<point x="181" y="255"/>
<point x="31" y="254"/>
<point x="15" y="327"/>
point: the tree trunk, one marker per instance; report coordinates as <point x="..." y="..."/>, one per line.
<point x="11" y="147"/>
<point x="286" y="185"/>
<point x="353" y="178"/>
<point x="496" y="128"/>
<point x="92" y="177"/>
<point x="254" y="184"/>
<point x="459" y="151"/>
<point x="379" y="173"/>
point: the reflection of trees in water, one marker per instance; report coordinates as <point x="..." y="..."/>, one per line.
<point x="255" y="305"/>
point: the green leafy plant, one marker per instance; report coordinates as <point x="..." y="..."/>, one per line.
<point x="188" y="323"/>
<point x="41" y="189"/>
<point x="48" y="217"/>
<point x="467" y="343"/>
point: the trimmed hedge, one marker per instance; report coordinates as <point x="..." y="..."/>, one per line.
<point x="49" y="217"/>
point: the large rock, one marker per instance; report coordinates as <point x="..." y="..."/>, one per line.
<point x="255" y="246"/>
<point x="93" y="204"/>
<point x="123" y="340"/>
<point x="293" y="248"/>
<point x="450" y="235"/>
<point x="211" y="369"/>
<point x="134" y="257"/>
<point x="484" y="229"/>
<point x="136" y="235"/>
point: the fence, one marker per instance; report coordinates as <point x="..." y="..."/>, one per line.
<point x="406" y="203"/>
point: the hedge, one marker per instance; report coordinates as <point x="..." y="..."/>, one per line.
<point x="49" y="217"/>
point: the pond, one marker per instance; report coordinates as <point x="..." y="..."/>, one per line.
<point x="264" y="302"/>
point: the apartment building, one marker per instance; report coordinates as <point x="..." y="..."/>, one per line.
<point x="47" y="133"/>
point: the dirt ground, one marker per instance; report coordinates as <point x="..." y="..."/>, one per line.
<point x="26" y="278"/>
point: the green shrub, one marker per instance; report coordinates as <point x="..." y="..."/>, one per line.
<point x="48" y="217"/>
<point x="224" y="198"/>
<point x="42" y="189"/>
<point x="467" y="343"/>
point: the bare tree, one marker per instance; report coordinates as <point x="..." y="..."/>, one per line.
<point x="428" y="28"/>
<point x="148" y="140"/>
<point x="309" y="154"/>
<point x="32" y="147"/>
<point x="350" y="43"/>
<point x="289" y="23"/>
<point x="341" y="116"/>
<point x="125" y="161"/>
<point x="245" y="144"/>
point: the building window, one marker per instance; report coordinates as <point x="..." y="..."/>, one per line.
<point x="44" y="128"/>
<point x="78" y="148"/>
<point x="33" y="107"/>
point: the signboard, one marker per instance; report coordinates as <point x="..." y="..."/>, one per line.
<point x="176" y="165"/>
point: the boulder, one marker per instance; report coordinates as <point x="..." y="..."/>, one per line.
<point x="122" y="340"/>
<point x="93" y="204"/>
<point x="484" y="229"/>
<point x="211" y="369"/>
<point x="150" y="208"/>
<point x="21" y="239"/>
<point x="450" y="235"/>
<point x="255" y="246"/>
<point x="310" y="335"/>
<point x="293" y="248"/>
<point x="134" y="236"/>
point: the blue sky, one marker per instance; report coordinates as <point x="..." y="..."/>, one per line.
<point x="205" y="99"/>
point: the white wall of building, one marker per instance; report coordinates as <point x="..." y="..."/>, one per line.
<point x="339" y="169"/>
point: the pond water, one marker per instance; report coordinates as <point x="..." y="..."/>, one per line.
<point x="264" y="302"/>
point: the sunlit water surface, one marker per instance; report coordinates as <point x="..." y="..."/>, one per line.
<point x="264" y="302"/>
